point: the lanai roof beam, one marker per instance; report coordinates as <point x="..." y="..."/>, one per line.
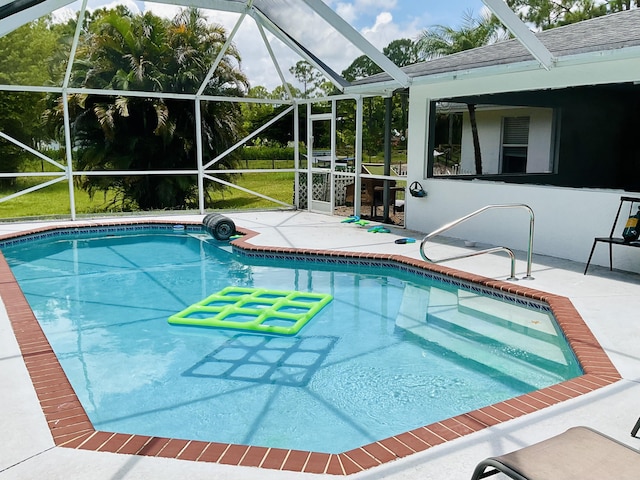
<point x="13" y="15"/>
<point x="222" y="5"/>
<point x="518" y="28"/>
<point x="359" y="41"/>
<point x="276" y="64"/>
<point x="261" y="18"/>
<point x="223" y="51"/>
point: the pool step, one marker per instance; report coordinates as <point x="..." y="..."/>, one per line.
<point x="205" y="237"/>
<point x="461" y="324"/>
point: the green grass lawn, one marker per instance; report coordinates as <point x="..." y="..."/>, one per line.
<point x="54" y="199"/>
<point x="275" y="185"/>
<point x="51" y="200"/>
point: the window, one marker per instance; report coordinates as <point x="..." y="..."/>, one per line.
<point x="582" y="137"/>
<point x="511" y="141"/>
<point x="515" y="144"/>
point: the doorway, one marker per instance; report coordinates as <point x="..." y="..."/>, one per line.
<point x="321" y="154"/>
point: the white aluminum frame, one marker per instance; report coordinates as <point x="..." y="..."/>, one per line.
<point x="203" y="171"/>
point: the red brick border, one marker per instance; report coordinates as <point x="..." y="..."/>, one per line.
<point x="71" y="428"/>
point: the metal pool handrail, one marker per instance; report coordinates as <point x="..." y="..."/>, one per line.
<point x="450" y="225"/>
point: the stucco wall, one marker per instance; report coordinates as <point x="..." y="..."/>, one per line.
<point x="566" y="220"/>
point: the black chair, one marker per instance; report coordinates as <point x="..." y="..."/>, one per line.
<point x="611" y="240"/>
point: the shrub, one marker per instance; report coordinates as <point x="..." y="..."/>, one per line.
<point x="267" y="153"/>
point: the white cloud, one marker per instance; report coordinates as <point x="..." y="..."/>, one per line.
<point x="130" y="4"/>
<point x="352" y="12"/>
<point x="385" y="30"/>
<point x="347" y="11"/>
<point x="366" y="6"/>
<point x="62" y="15"/>
<point x="68" y="12"/>
<point x="163" y="10"/>
<point x="369" y="4"/>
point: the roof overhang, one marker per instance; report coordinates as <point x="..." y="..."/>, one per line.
<point x="629" y="55"/>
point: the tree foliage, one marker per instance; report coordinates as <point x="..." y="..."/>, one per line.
<point x="620" y="5"/>
<point x="361" y="67"/>
<point x="402" y="52"/>
<point x="113" y="132"/>
<point x="255" y="115"/>
<point x="545" y="14"/>
<point x="309" y="77"/>
<point x="441" y="40"/>
<point x="24" y="54"/>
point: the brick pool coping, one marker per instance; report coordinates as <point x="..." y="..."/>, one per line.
<point x="71" y="428"/>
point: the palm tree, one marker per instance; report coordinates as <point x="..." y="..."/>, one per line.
<point x="474" y="32"/>
<point x="123" y="51"/>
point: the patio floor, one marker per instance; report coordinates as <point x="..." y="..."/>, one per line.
<point x="609" y="303"/>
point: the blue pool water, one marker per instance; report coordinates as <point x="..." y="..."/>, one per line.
<point x="391" y="351"/>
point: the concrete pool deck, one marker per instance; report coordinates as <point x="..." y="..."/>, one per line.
<point x="607" y="301"/>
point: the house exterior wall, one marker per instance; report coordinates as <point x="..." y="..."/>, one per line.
<point x="490" y="135"/>
<point x="567" y="219"/>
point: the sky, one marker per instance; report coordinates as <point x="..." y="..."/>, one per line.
<point x="388" y="20"/>
<point x="379" y="21"/>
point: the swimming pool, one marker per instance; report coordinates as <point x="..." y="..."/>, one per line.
<point x="70" y="428"/>
<point x="393" y="351"/>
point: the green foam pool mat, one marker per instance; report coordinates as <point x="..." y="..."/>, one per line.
<point x="260" y="310"/>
